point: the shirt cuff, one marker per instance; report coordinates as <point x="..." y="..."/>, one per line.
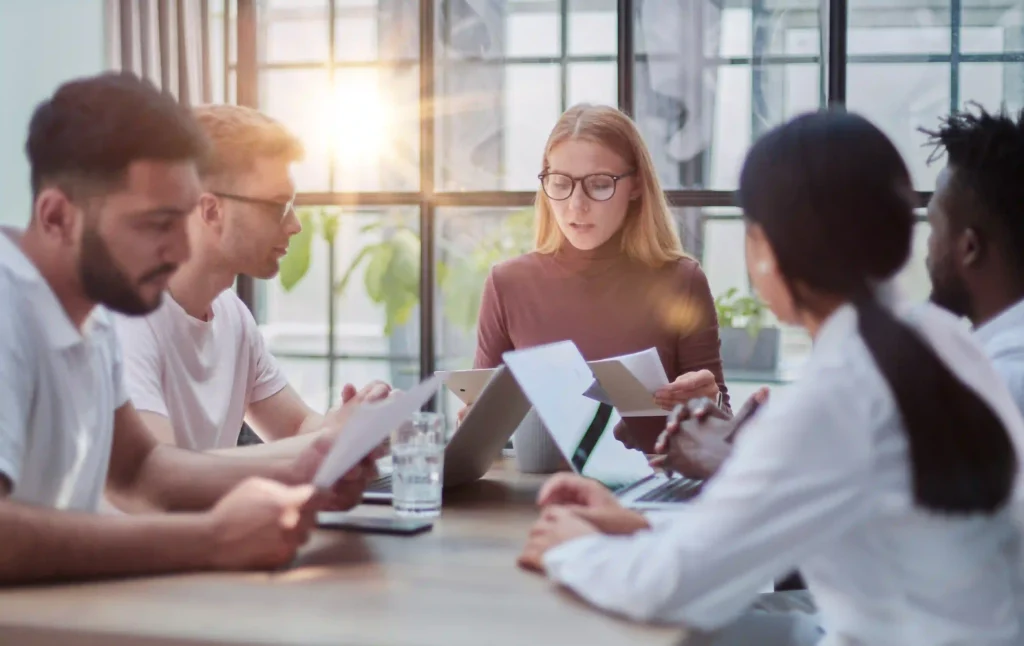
<point x="559" y="560"/>
<point x="661" y="518"/>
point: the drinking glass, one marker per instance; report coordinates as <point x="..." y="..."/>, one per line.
<point x="417" y="458"/>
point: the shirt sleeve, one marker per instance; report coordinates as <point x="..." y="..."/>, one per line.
<point x="701" y="348"/>
<point x="797" y="481"/>
<point x="17" y="383"/>
<point x="141" y="364"/>
<point x="265" y="376"/>
<point x="492" y="337"/>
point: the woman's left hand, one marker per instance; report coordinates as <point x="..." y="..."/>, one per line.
<point x="691" y="385"/>
<point x="555" y="526"/>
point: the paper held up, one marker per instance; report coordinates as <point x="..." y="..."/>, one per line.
<point x="368" y="427"/>
<point x="628" y="383"/>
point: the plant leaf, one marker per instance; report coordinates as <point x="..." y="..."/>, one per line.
<point x="329" y="222"/>
<point x="295" y="263"/>
<point x="376" y="270"/>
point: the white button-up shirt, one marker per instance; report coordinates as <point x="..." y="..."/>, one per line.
<point x="820" y="480"/>
<point x="59" y="389"/>
<point x="1003" y="341"/>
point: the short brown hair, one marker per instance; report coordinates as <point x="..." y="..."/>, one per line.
<point x="238" y="135"/>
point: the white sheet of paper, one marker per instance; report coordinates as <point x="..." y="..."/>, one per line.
<point x="646" y="368"/>
<point x="597" y="393"/>
<point x="368" y="426"/>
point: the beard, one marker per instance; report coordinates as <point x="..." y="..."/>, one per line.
<point x="104" y="282"/>
<point x="950" y="292"/>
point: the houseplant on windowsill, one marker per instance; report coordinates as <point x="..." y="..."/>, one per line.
<point x="747" y="343"/>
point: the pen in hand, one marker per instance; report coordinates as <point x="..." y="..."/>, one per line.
<point x="673" y="420"/>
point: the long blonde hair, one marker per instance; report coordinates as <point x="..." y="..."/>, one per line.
<point x="648" y="234"/>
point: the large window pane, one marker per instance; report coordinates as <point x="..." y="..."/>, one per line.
<point x="593" y="30"/>
<point x="993" y="84"/>
<point x="469" y="242"/>
<point x="365" y="127"/>
<point x="899" y="27"/>
<point x="992" y="26"/>
<point x="710" y="80"/>
<point x="593" y="83"/>
<point x="294" y="31"/>
<point x="900" y="98"/>
<point x="532" y="29"/>
<point x="501" y="67"/>
<point x="376" y="30"/>
<point x="376" y="310"/>
<point x="372" y="129"/>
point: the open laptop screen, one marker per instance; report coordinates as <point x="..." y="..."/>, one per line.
<point x="554" y="378"/>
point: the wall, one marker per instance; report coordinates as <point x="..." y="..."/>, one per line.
<point x="42" y="44"/>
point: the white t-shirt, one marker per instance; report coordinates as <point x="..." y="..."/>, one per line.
<point x="201" y="375"/>
<point x="59" y="389"/>
<point x="1003" y="340"/>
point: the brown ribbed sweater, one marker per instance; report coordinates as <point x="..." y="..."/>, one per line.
<point x="607" y="305"/>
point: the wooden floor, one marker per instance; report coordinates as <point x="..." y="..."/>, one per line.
<point x="455" y="585"/>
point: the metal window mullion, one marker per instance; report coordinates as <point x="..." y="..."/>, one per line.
<point x="427" y="205"/>
<point x="626" y="55"/>
<point x="837" y="52"/>
<point x="955" y="14"/>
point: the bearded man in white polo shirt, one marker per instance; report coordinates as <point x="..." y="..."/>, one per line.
<point x="976" y="247"/>
<point x="113" y="164"/>
<point x="197" y="367"/>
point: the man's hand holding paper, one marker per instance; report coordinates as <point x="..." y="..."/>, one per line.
<point x="342" y="462"/>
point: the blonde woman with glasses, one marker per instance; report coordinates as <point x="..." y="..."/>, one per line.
<point x="608" y="273"/>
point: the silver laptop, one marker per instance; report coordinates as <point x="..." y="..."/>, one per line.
<point x="555" y="378"/>
<point x="479" y="439"/>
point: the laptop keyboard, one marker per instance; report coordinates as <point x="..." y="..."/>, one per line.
<point x="380" y="485"/>
<point x="675" y="490"/>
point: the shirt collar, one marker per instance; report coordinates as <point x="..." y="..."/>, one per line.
<point x="60" y="332"/>
<point x="1012" y="318"/>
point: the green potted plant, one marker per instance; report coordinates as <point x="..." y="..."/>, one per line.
<point x="747" y="343"/>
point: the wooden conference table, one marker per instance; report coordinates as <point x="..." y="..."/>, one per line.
<point x="457" y="584"/>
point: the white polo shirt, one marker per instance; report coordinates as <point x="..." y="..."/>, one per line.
<point x="59" y="389"/>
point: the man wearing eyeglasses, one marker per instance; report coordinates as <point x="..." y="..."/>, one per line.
<point x="198" y="366"/>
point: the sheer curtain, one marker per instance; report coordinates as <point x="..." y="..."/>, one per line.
<point x="165" y="41"/>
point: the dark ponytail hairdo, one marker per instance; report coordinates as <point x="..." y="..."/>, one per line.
<point x="834" y="199"/>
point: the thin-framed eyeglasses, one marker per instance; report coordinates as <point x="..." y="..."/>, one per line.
<point x="284" y="208"/>
<point x="599" y="187"/>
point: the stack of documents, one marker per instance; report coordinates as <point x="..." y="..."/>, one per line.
<point x="629" y="382"/>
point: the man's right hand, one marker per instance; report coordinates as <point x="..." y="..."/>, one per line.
<point x="700" y="439"/>
<point x="462" y="414"/>
<point x="260" y="524"/>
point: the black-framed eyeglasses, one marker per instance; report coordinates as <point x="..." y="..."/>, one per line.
<point x="284" y="208"/>
<point x="599" y="187"/>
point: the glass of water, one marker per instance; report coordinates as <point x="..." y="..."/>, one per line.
<point x="417" y="459"/>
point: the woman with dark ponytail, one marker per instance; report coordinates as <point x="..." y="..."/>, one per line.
<point x="886" y="474"/>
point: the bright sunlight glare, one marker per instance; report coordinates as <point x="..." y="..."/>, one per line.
<point x="354" y="122"/>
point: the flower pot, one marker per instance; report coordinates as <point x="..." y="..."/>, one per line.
<point x="741" y="351"/>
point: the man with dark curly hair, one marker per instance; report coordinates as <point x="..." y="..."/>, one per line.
<point x="976" y="248"/>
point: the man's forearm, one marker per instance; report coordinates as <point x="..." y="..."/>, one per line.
<point x="289" y="447"/>
<point x="46" y="545"/>
<point x="175" y="479"/>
